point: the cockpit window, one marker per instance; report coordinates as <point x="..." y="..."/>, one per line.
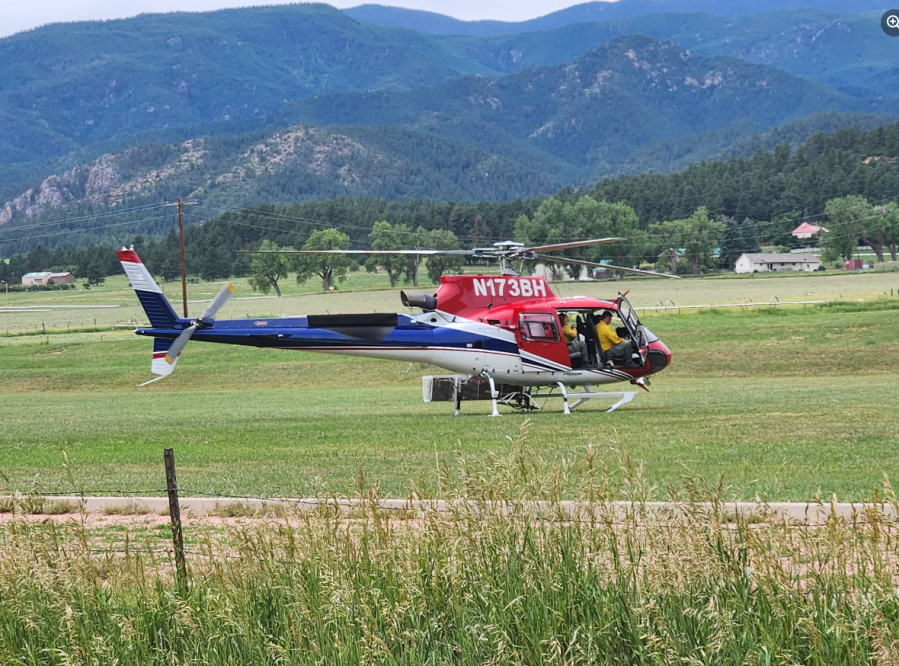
<point x="538" y="327"/>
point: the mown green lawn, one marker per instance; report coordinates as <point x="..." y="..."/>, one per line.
<point x="782" y="404"/>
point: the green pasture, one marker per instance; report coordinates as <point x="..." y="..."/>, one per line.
<point x="782" y="404"/>
<point x="113" y="303"/>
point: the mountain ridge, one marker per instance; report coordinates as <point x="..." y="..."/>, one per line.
<point x="441" y="24"/>
<point x="627" y="93"/>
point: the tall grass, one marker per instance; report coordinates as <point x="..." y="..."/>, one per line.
<point x="496" y="579"/>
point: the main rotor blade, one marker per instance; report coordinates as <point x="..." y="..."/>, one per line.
<point x="410" y="252"/>
<point x="567" y="246"/>
<point x="566" y="260"/>
<point x="178" y="345"/>
<point x="220" y="299"/>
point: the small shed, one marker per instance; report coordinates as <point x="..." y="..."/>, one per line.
<point x="61" y="278"/>
<point x="46" y="277"/>
<point x="41" y="277"/>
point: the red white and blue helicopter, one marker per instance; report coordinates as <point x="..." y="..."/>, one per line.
<point x="499" y="334"/>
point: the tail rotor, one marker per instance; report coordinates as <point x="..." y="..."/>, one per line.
<point x="181" y="341"/>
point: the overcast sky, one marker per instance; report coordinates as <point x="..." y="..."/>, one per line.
<point x="18" y="15"/>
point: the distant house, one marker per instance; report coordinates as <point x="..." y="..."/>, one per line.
<point x="779" y="261"/>
<point x="46" y="277"/>
<point x="806" y="230"/>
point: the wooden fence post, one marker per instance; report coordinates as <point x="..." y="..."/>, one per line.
<point x="175" y="515"/>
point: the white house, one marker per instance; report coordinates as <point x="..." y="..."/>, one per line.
<point x="780" y="261"/>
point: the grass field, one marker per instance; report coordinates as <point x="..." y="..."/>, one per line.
<point x="788" y="403"/>
<point x="776" y="403"/>
<point x="365" y="292"/>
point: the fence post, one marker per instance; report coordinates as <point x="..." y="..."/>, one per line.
<point x="171" y="484"/>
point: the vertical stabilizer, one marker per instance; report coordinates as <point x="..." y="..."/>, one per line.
<point x="158" y="309"/>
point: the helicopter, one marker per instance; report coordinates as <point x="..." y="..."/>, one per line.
<point x="500" y="334"/>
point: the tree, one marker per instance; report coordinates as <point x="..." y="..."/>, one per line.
<point x="215" y="262"/>
<point x="584" y="218"/>
<point x="440" y="264"/>
<point x="702" y="236"/>
<point x="479" y="234"/>
<point x="890" y="219"/>
<point x="268" y="269"/>
<point x="415" y="240"/>
<point x="738" y="238"/>
<point x="851" y="219"/>
<point x="385" y="237"/>
<point x="167" y="260"/>
<point x="328" y="267"/>
<point x="94" y="272"/>
<point x="669" y="234"/>
<point x="590" y="218"/>
<point x="698" y="235"/>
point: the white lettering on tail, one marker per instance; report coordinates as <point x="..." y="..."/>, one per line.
<point x="518" y="287"/>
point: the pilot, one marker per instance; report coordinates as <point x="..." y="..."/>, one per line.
<point x="615" y="348"/>
<point x="575" y="343"/>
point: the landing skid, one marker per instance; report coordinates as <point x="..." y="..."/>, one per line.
<point x="524" y="399"/>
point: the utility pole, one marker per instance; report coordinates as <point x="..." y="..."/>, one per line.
<point x="183" y="262"/>
<point x="8" y="302"/>
<point x="181" y="204"/>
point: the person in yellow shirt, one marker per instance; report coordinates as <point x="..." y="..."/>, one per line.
<point x="615" y="347"/>
<point x="575" y="344"/>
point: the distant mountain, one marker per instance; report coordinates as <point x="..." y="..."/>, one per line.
<point x="438" y="24"/>
<point x="303" y="102"/>
<point x="66" y="86"/>
<point x="842" y="50"/>
<point x="595" y="112"/>
<point x="635" y="104"/>
<point x="97" y="87"/>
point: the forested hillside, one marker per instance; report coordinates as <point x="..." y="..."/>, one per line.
<point x="847" y="51"/>
<point x="97" y="87"/>
<point x="70" y="85"/>
<point x="596" y="111"/>
<point x="110" y="120"/>
<point x="774" y="190"/>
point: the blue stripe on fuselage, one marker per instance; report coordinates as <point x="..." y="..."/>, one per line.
<point x="294" y="333"/>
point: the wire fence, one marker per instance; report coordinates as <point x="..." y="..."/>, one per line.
<point x="203" y="550"/>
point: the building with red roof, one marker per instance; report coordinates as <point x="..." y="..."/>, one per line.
<point x="806" y="230"/>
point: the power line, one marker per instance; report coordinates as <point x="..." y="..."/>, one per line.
<point x="75" y="231"/>
<point x="111" y="213"/>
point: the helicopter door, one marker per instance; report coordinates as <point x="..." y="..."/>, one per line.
<point x="627" y="314"/>
<point x="541" y="344"/>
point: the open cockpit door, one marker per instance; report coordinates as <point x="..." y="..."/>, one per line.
<point x="541" y="341"/>
<point x="628" y="315"/>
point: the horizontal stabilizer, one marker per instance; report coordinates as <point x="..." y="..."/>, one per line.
<point x="160" y="365"/>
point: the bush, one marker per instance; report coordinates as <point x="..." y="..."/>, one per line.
<point x="21" y="288"/>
